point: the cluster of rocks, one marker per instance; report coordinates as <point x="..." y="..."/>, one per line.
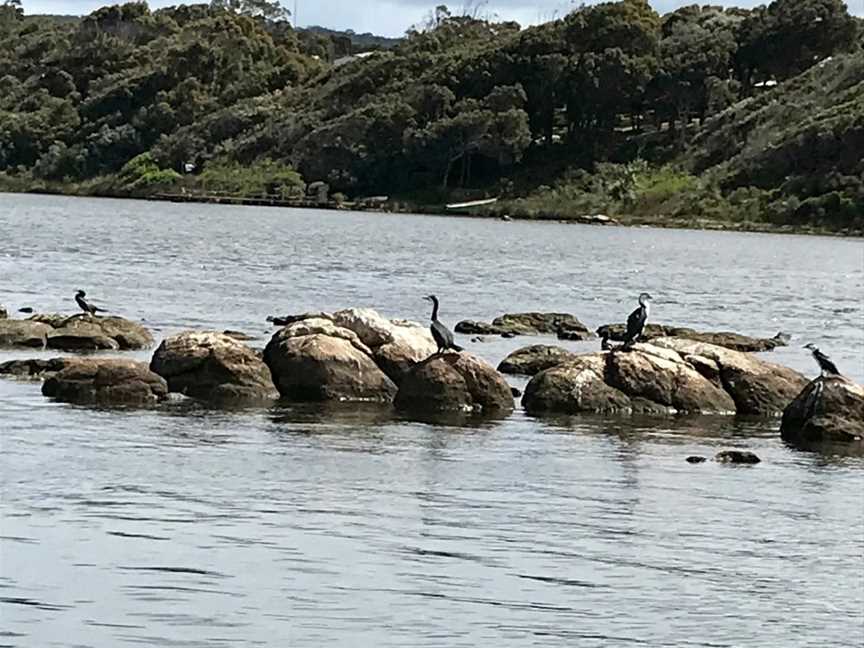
<point x="562" y="325"/>
<point x="74" y="333"/>
<point x="358" y="355"/>
<point x="734" y="341"/>
<point x="350" y="355"/>
<point x="669" y="375"/>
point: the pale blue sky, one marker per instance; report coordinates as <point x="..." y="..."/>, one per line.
<point x="393" y="17"/>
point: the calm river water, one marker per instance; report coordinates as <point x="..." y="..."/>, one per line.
<point x="294" y="526"/>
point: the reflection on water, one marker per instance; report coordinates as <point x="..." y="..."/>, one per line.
<point x="348" y="525"/>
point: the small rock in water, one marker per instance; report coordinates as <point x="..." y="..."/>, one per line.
<point x="736" y="456"/>
<point x="508" y="334"/>
<point x="26" y="309"/>
<point x="478" y="338"/>
<point x="516" y="393"/>
<point x="696" y="459"/>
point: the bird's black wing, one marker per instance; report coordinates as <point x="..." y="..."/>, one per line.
<point x="826" y="363"/>
<point x="443" y="336"/>
<point x="635" y="324"/>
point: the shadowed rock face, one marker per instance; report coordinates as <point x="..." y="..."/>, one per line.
<point x="562" y="324"/>
<point x="213" y="367"/>
<point x="75" y="333"/>
<point x="34" y="369"/>
<point x="3" y="313"/>
<point x="669" y="376"/>
<point x="106" y="382"/>
<point x="534" y="359"/>
<point x="454" y="382"/>
<point x="828" y="410"/>
<point x="734" y="341"/>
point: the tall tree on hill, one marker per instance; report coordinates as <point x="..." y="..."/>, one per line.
<point x="271" y="10"/>
<point x="787" y="37"/>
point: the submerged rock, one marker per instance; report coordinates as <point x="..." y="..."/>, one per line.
<point x="564" y="325"/>
<point x="213" y="367"/>
<point x="696" y="459"/>
<point x="106" y="382"/>
<point x="35" y="368"/>
<point x="736" y="457"/>
<point x="534" y="359"/>
<point x="829" y="409"/>
<point x="734" y="341"/>
<point x="459" y="382"/>
<point x="671" y="375"/>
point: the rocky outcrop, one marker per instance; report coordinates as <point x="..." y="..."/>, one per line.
<point x="454" y="382"/>
<point x="213" y="367"/>
<point x="106" y="382"/>
<point x="563" y="325"/>
<point x="734" y="341"/>
<point x="318" y="366"/>
<point x="669" y="376"/>
<point x="23" y="333"/>
<point x="393" y="345"/>
<point x="34" y="369"/>
<point x="75" y="333"/>
<point x="828" y="410"/>
<point x="534" y="359"/>
<point x="3" y="313"/>
<point x="757" y="387"/>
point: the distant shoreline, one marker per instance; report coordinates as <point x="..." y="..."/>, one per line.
<point x="398" y="206"/>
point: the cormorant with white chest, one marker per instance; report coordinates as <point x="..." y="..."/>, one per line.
<point x="637" y="319"/>
<point x="86" y="306"/>
<point x="827" y="367"/>
<point x="442" y="335"/>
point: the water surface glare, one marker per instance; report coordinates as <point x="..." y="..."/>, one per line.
<point x="346" y="526"/>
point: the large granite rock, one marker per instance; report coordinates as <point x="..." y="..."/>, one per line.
<point x="829" y="409"/>
<point x="394" y="345"/>
<point x="311" y="366"/>
<point x="75" y="333"/>
<point x="106" y="382"/>
<point x="534" y="359"/>
<point x="644" y="380"/>
<point x="562" y="324"/>
<point x="454" y="382"/>
<point x="734" y="341"/>
<point x="23" y="333"/>
<point x="757" y="387"/>
<point x="214" y="367"/>
<point x="671" y="375"/>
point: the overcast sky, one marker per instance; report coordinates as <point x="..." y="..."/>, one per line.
<point x="393" y="17"/>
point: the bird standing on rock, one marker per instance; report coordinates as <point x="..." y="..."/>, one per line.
<point x="637" y="319"/>
<point x="441" y="334"/>
<point x="86" y="306"/>
<point x="827" y="367"/>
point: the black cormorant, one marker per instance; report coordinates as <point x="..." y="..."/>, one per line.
<point x="86" y="306"/>
<point x="442" y="335"/>
<point x="637" y="319"/>
<point x="828" y="368"/>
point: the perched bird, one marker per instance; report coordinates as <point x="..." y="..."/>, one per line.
<point x="828" y="368"/>
<point x="637" y="319"/>
<point x="86" y="306"/>
<point x="442" y="335"/>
